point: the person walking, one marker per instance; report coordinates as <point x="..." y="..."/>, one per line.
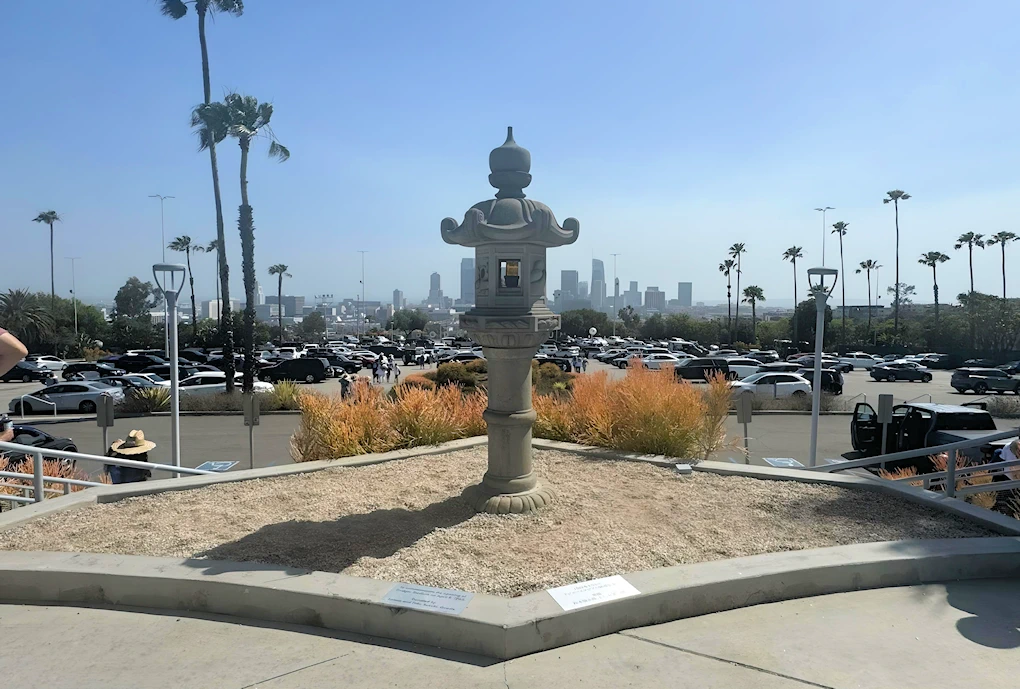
<point x="584" y="364"/>
<point x="396" y="373"/>
<point x="388" y="367"/>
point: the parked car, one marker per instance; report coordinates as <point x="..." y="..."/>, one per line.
<point x="767" y="356"/>
<point x="827" y="362"/>
<point x="47" y="361"/>
<point x="610" y="354"/>
<point x="339" y="363"/>
<point x="32" y="436"/>
<point x="774" y="385"/>
<point x="658" y="360"/>
<point x="832" y="380"/>
<point x="463" y="356"/>
<point x="901" y="370"/>
<point x="742" y="366"/>
<point x="209" y="383"/>
<point x="918" y="425"/>
<point x="702" y="368"/>
<point x="136" y="363"/>
<point x="80" y="396"/>
<point x="163" y="371"/>
<point x="982" y="380"/>
<point x="1012" y="368"/>
<point x="978" y="363"/>
<point x="134" y="382"/>
<point x="304" y="369"/>
<point x="91" y="370"/>
<point x="195" y="355"/>
<point x="860" y="360"/>
<point x="779" y="367"/>
<point x="26" y="372"/>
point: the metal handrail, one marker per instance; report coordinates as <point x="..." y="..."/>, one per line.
<point x="970" y="469"/>
<point x="38" y="477"/>
<point x="861" y="394"/>
<point x="52" y="479"/>
<point x="37" y="399"/>
<point x="914" y="399"/>
<point x="910" y="454"/>
<point x="16" y="498"/>
<point x="987" y="488"/>
<point x="28" y="488"/>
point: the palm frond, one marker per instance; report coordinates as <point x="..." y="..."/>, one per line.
<point x="234" y="7"/>
<point x="278" y="151"/>
<point x="175" y="9"/>
<point x="211" y="122"/>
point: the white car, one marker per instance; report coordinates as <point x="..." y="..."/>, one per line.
<point x="773" y="385"/>
<point x="860" y="360"/>
<point x="657" y="361"/>
<point x="213" y="382"/>
<point x="154" y="377"/>
<point x="53" y="363"/>
<point x="287" y="353"/>
<point x="742" y="366"/>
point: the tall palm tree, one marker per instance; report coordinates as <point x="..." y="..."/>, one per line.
<point x="970" y="240"/>
<point x="752" y="295"/>
<point x="1002" y="239"/>
<point x="726" y="268"/>
<point x="183" y="243"/>
<point x="932" y="259"/>
<point x="176" y="9"/>
<point x="279" y="270"/>
<point x="21" y="313"/>
<point x="48" y="218"/>
<point x="245" y="119"/>
<point x="840" y="229"/>
<point x="867" y="267"/>
<point x="791" y="255"/>
<point x="735" y="252"/>
<point x="894" y="197"/>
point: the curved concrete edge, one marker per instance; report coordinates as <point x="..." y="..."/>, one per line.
<point x="995" y="521"/>
<point x="490" y="625"/>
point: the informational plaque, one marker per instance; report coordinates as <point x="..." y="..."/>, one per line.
<point x="592" y="592"/>
<point x="445" y="601"/>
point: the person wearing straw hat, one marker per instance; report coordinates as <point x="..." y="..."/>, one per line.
<point x="135" y="448"/>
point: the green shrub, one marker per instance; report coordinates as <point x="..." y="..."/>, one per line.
<point x="455" y="373"/>
<point x="146" y="400"/>
<point x="477" y="366"/>
<point x="550" y="379"/>
<point x="285" y="395"/>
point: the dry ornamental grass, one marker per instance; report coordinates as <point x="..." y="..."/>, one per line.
<point x="405" y="521"/>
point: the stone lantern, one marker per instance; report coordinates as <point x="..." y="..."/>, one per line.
<point x="510" y="234"/>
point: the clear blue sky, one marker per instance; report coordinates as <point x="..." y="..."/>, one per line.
<point x="669" y="129"/>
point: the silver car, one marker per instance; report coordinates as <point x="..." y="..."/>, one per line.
<point x="79" y="396"/>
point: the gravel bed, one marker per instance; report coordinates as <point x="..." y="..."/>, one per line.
<point x="405" y="521"/>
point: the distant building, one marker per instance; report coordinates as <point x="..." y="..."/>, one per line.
<point x="260" y="297"/>
<point x="655" y="299"/>
<point x="292" y="306"/>
<point x="683" y="293"/>
<point x="568" y="284"/>
<point x="598" y="283"/>
<point x="467" y="280"/>
<point x="398" y="299"/>
<point x="435" y="297"/>
<point x="582" y="289"/>
<point x="212" y="308"/>
<point x="267" y="312"/>
<point x="632" y="297"/>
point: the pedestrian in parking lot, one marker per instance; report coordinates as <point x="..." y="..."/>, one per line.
<point x="345" y="385"/>
<point x="584" y="364"/>
<point x="396" y="373"/>
<point x="388" y="367"/>
<point x="135" y="448"/>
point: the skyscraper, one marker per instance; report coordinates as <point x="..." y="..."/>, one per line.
<point x="435" y="294"/>
<point x="582" y="289"/>
<point x="598" y="283"/>
<point x="632" y="297"/>
<point x="683" y="293"/>
<point x="260" y="297"/>
<point x="398" y="300"/>
<point x="568" y="284"/>
<point x="467" y="280"/>
<point x="655" y="299"/>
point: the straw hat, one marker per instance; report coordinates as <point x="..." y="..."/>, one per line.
<point x="135" y="444"/>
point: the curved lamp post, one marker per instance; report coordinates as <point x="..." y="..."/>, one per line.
<point x="510" y="319"/>
<point x="172" y="273"/>
<point x="816" y="280"/>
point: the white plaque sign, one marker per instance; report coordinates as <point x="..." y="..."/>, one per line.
<point x="587" y="593"/>
<point x="446" y="601"/>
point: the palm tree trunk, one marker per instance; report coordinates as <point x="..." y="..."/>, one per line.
<point x="842" y="284"/>
<point x="896" y="313"/>
<point x="279" y="306"/>
<point x="970" y="261"/>
<point x="246" y="226"/>
<point x="868" y="273"/>
<point x="736" y="311"/>
<point x="1003" y="271"/>
<point x="935" y="289"/>
<point x="226" y="323"/>
<point x="53" y="283"/>
<point x="194" y="311"/>
<point x="795" y="345"/>
<point x="729" y="307"/>
<point x="754" y="323"/>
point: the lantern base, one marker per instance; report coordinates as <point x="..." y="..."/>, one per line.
<point x="481" y="500"/>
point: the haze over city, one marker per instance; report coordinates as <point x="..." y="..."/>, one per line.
<point x="669" y="136"/>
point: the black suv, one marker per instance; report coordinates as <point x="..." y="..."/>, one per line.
<point x="136" y="363"/>
<point x="91" y="369"/>
<point x="703" y="367"/>
<point x="26" y="372"/>
<point x="305" y="369"/>
<point x="982" y="380"/>
<point x="832" y="380"/>
<point x="341" y="363"/>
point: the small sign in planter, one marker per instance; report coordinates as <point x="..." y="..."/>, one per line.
<point x="445" y="601"/>
<point x="585" y="593"/>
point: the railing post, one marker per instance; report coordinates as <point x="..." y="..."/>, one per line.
<point x="951" y="474"/>
<point x="37" y="476"/>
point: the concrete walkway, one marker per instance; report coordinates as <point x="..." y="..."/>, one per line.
<point x="947" y="635"/>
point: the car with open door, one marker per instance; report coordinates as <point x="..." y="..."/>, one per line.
<point x="918" y="425"/>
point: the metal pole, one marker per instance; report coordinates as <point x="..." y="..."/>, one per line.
<point x="74" y="294"/>
<point x="951" y="474"/>
<point x="816" y="388"/>
<point x="162" y="237"/>
<point x="37" y="476"/>
<point x="175" y="400"/>
<point x="616" y="294"/>
<point x="885" y="435"/>
<point x="106" y="439"/>
<point x="362" y="290"/>
<point x="747" y="452"/>
<point x="251" y="441"/>
<point x="823" y="209"/>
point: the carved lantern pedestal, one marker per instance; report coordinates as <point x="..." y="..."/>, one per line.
<point x="510" y="234"/>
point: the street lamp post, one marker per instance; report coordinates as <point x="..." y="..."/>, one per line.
<point x="172" y="274"/>
<point x="616" y="294"/>
<point x="358" y="314"/>
<point x="816" y="279"/>
<point x="823" y="209"/>
<point x="74" y="294"/>
<point x="162" y="242"/>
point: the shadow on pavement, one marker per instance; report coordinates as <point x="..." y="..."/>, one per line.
<point x="332" y="546"/>
<point x="994" y="605"/>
